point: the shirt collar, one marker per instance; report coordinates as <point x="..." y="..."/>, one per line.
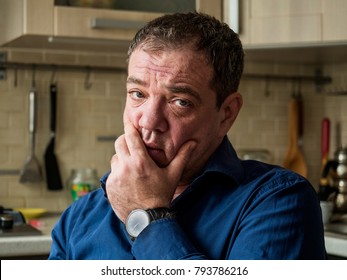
<point x="224" y="160"/>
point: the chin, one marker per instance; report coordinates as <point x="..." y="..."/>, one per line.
<point x="161" y="163"/>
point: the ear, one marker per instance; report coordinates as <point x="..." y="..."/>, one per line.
<point x="229" y="111"/>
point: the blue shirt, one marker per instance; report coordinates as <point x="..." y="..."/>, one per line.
<point x="233" y="210"/>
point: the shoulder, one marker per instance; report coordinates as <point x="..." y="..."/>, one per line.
<point x="91" y="205"/>
<point x="266" y="179"/>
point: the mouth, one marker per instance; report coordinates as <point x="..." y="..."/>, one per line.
<point x="157" y="155"/>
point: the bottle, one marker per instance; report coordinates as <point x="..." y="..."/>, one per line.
<point x="82" y="181"/>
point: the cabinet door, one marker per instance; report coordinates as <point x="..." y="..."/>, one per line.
<point x="288" y="21"/>
<point x="25" y="17"/>
<point x="30" y="23"/>
<point x="213" y="8"/>
<point x="334" y="20"/>
<point x="112" y="24"/>
<point x="38" y="16"/>
<point x="98" y="23"/>
<point x="269" y="22"/>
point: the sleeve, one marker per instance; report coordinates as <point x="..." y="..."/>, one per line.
<point x="164" y="239"/>
<point x="58" y="247"/>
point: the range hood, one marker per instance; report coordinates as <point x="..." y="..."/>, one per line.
<point x="69" y="44"/>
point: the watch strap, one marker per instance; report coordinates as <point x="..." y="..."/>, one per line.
<point x="160" y="213"/>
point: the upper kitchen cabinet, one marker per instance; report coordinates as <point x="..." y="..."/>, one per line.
<point x="292" y="21"/>
<point x="334" y="20"/>
<point x="66" y="24"/>
<point x="293" y="30"/>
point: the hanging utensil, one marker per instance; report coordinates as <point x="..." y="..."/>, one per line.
<point x="31" y="172"/>
<point x="295" y="159"/>
<point x="53" y="178"/>
<point x="324" y="189"/>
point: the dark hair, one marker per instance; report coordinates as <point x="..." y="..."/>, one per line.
<point x="221" y="45"/>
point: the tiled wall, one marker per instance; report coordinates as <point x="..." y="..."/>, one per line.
<point x="83" y="116"/>
<point x="86" y="114"/>
<point x="263" y="121"/>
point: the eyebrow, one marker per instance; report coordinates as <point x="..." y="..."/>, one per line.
<point x="185" y="90"/>
<point x="172" y="89"/>
<point x="134" y="80"/>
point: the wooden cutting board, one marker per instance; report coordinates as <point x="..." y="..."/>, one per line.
<point x="295" y="159"/>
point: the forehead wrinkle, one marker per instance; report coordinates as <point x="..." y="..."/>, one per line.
<point x="153" y="70"/>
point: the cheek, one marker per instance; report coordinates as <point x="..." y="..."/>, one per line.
<point x="131" y="116"/>
<point x="205" y="134"/>
<point x="199" y="134"/>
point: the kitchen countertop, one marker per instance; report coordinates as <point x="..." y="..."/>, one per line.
<point x="39" y="245"/>
<point x="336" y="244"/>
<point x="22" y="247"/>
<point x="30" y="246"/>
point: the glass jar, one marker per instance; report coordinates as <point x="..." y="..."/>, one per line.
<point x="82" y="181"/>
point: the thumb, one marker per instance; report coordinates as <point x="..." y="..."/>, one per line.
<point x="177" y="165"/>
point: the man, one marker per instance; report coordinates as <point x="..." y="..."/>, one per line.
<point x="176" y="189"/>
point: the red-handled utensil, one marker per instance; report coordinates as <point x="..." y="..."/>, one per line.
<point x="325" y="190"/>
<point x="325" y="141"/>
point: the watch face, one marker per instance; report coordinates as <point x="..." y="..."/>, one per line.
<point x="137" y="221"/>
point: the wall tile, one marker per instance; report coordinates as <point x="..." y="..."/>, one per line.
<point x="4" y="120"/>
<point x="5" y="155"/>
<point x="83" y="115"/>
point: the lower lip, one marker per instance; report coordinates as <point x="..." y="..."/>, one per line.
<point x="154" y="151"/>
<point x="156" y="154"/>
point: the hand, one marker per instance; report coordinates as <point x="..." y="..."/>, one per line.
<point x="136" y="181"/>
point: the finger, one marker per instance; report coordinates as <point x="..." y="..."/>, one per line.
<point x="121" y="147"/>
<point x="175" y="168"/>
<point x="113" y="165"/>
<point x="133" y="140"/>
<point x="114" y="158"/>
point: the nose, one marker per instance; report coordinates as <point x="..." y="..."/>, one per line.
<point x="153" y="117"/>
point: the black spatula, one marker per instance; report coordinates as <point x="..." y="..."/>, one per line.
<point x="51" y="164"/>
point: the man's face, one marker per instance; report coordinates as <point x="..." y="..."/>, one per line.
<point x="169" y="101"/>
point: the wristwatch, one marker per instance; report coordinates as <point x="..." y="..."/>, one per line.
<point x="139" y="219"/>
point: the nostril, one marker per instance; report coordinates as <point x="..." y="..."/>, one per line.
<point x="153" y="122"/>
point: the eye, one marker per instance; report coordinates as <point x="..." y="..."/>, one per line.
<point x="182" y="102"/>
<point x="136" y="95"/>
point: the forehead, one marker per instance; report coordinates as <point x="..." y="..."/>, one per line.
<point x="178" y="63"/>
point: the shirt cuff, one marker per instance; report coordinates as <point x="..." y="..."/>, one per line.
<point x="164" y="239"/>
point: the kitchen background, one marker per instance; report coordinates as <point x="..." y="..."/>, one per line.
<point x="87" y="118"/>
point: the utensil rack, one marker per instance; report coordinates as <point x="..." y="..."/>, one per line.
<point x="54" y="68"/>
<point x="318" y="78"/>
